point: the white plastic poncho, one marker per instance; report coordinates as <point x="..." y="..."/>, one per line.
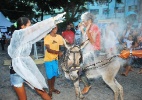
<point x="20" y="49"/>
<point x="88" y="50"/>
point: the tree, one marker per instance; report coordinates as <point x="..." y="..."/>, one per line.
<point x="140" y="11"/>
<point x="43" y="6"/>
<point x="16" y="8"/>
<point x="74" y="8"/>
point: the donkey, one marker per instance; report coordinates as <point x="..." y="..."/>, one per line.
<point x="106" y="68"/>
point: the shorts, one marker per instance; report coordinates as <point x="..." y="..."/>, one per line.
<point x="51" y="68"/>
<point x="130" y="61"/>
<point x="135" y="62"/>
<point x="16" y="80"/>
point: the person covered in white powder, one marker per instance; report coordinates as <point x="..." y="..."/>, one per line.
<point x="23" y="67"/>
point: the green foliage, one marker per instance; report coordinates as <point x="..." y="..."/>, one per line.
<point x="16" y="8"/>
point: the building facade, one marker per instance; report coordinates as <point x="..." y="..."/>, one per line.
<point x="114" y="9"/>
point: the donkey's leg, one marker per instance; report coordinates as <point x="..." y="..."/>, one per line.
<point x="111" y="83"/>
<point x="77" y="90"/>
<point x="120" y="90"/>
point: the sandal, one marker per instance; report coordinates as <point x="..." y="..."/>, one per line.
<point x="56" y="91"/>
<point x="123" y="74"/>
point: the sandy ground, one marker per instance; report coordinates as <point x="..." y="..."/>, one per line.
<point x="132" y="85"/>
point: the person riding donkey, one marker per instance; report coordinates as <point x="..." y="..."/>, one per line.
<point x="91" y="32"/>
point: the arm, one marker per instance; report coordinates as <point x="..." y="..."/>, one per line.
<point x="53" y="51"/>
<point x="137" y="53"/>
<point x="126" y="53"/>
<point x="39" y="30"/>
<point x="89" y="34"/>
<point x="81" y="28"/>
<point x="90" y="37"/>
<point x="92" y="33"/>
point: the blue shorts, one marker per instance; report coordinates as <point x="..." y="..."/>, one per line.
<point x="51" y="68"/>
<point x="16" y="80"/>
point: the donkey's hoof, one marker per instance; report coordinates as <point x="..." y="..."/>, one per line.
<point x="81" y="98"/>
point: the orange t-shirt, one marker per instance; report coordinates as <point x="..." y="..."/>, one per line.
<point x="54" y="43"/>
<point x="95" y="30"/>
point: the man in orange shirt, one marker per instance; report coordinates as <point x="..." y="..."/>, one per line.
<point x="52" y="42"/>
<point x="68" y="35"/>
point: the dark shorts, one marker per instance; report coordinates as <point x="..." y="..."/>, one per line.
<point x="135" y="62"/>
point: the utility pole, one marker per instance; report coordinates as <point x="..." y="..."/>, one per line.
<point x="139" y="10"/>
<point x="115" y="9"/>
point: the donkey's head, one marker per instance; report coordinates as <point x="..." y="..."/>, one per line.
<point x="73" y="56"/>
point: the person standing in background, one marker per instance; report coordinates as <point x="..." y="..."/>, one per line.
<point x="3" y="39"/>
<point x="78" y="35"/>
<point x="68" y="35"/>
<point x="52" y="43"/>
<point x="72" y="27"/>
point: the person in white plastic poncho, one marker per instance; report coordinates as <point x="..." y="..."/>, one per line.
<point x="23" y="67"/>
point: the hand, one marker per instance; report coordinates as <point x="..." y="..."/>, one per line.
<point x="124" y="54"/>
<point x="81" y="27"/>
<point x="66" y="40"/>
<point x="88" y="26"/>
<point x="60" y="53"/>
<point x="59" y="18"/>
<point x="92" y="42"/>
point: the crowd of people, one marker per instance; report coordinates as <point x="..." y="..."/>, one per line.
<point x="132" y="38"/>
<point x="4" y="39"/>
<point x="111" y="41"/>
<point x="127" y="38"/>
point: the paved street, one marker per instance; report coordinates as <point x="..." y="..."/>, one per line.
<point x="100" y="91"/>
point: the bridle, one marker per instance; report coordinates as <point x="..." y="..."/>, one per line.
<point x="73" y="66"/>
<point x="96" y="65"/>
<point x="76" y="67"/>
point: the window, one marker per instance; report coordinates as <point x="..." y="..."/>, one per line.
<point x="120" y="10"/>
<point x="133" y="8"/>
<point x="105" y="11"/>
<point x="94" y="11"/>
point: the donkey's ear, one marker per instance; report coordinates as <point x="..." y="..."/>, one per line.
<point x="67" y="46"/>
<point x="84" y="44"/>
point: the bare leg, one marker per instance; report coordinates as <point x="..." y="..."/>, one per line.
<point x="140" y="71"/>
<point x="53" y="88"/>
<point x="53" y="83"/>
<point x="127" y="70"/>
<point x="86" y="82"/>
<point x="21" y="93"/>
<point x="43" y="94"/>
<point x="50" y="87"/>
